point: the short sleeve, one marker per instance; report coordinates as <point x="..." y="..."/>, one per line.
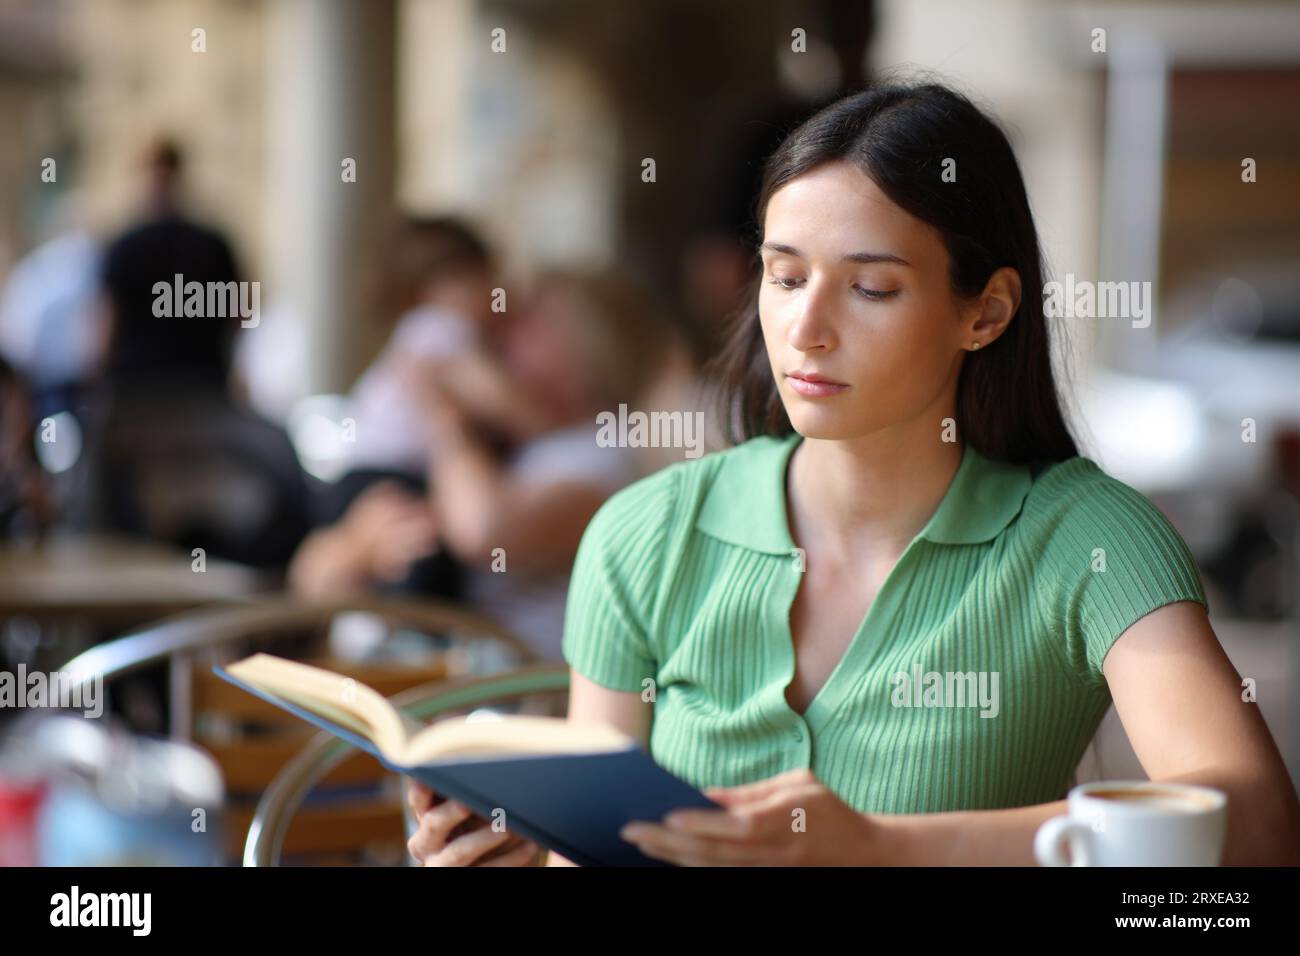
<point x="615" y="585"/>
<point x="1115" y="558"/>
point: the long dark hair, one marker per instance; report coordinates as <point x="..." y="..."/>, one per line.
<point x="898" y="135"/>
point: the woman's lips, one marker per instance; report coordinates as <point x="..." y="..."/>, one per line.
<point x="814" y="386"/>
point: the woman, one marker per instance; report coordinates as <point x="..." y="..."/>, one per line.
<point x="909" y="501"/>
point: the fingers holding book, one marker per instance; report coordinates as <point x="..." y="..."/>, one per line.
<point x="451" y="834"/>
<point x="419" y="797"/>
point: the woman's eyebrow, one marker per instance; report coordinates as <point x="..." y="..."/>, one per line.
<point x="864" y="257"/>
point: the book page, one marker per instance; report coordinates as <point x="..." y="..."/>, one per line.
<point x="512" y="734"/>
<point x="338" y="698"/>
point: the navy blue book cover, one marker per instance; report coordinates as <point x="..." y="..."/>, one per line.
<point x="573" y="804"/>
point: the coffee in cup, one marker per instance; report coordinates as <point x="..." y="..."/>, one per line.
<point x="1136" y="823"/>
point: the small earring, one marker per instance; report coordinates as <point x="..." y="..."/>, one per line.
<point x="974" y="345"/>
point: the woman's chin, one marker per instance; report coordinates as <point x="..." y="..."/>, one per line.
<point x="822" y="424"/>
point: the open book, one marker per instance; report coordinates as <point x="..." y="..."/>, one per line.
<point x="567" y="786"/>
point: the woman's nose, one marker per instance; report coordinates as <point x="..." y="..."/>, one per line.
<point x="811" y="328"/>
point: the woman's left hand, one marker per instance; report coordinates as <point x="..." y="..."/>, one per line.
<point x="788" y="820"/>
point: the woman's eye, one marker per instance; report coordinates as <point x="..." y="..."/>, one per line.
<point x="875" y="293"/>
<point x="791" y="284"/>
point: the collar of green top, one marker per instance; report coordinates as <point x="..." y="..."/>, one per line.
<point x="746" y="503"/>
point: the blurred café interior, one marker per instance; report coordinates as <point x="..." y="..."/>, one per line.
<point x="438" y="222"/>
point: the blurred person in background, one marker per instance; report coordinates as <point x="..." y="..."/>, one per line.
<point x="54" y="333"/>
<point x="439" y="278"/>
<point x="515" y="471"/>
<point x="586" y="343"/>
<point x="180" y="461"/>
<point x="435" y="284"/>
<point x="51" y="328"/>
<point x="168" y="353"/>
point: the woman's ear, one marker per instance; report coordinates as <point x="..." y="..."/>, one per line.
<point x="996" y="306"/>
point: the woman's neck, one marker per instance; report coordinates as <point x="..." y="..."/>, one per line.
<point x="870" y="495"/>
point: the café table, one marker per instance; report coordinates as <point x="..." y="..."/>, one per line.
<point x="67" y="593"/>
<point x="112" y="582"/>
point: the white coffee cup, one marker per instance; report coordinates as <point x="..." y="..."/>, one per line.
<point x="1136" y="823"/>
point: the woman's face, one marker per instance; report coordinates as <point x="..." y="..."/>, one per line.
<point x="862" y="328"/>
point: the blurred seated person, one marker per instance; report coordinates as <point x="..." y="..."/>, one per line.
<point x="176" y="458"/>
<point x="515" y="471"/>
<point x="436" y="277"/>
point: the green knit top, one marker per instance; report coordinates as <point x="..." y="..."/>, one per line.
<point x="974" y="681"/>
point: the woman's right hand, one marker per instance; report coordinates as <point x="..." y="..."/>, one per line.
<point x="450" y="834"/>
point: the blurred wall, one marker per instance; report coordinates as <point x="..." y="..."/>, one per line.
<point x="36" y="75"/>
<point x="525" y="139"/>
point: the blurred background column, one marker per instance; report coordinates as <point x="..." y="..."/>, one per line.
<point x="330" y="97"/>
<point x="1137" y="101"/>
